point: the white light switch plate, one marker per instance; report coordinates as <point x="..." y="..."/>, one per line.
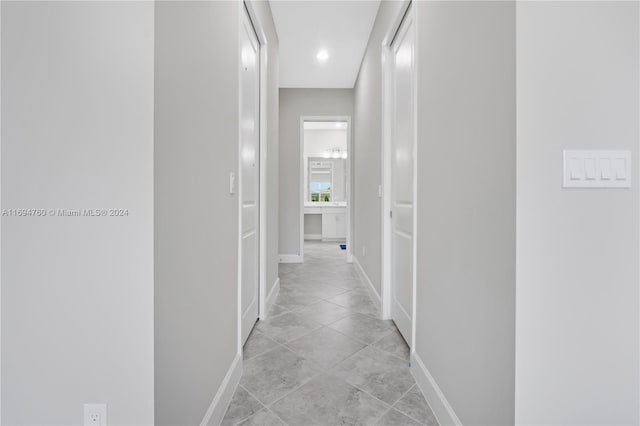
<point x="596" y="169"/>
<point x="232" y="183"/>
<point x="95" y="415"/>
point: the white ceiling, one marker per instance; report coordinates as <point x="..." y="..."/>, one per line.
<point x="305" y="27"/>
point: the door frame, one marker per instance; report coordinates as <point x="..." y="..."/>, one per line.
<point x="405" y="9"/>
<point x="262" y="178"/>
<point x="328" y="118"/>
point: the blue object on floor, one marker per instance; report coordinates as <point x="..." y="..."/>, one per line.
<point x="343" y="246"/>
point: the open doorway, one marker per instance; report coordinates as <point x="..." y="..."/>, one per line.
<point x="325" y="170"/>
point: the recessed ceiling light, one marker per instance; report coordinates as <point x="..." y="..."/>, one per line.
<point x="322" y="55"/>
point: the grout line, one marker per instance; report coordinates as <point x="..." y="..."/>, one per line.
<point x="277" y="416"/>
<point x="346" y="335"/>
<point x="252" y="396"/>
<point x="402" y="412"/>
<point x="377" y="420"/>
<point x="293" y="390"/>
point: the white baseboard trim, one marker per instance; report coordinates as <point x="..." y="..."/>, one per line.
<point x="432" y="393"/>
<point x="376" y="297"/>
<point x="271" y="298"/>
<point x="312" y="236"/>
<point x="291" y="258"/>
<point x="217" y="409"/>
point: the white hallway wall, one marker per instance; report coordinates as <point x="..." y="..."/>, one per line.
<point x="77" y="132"/>
<point x="196" y="233"/>
<point x="295" y="103"/>
<point x="466" y="228"/>
<point x="465" y="326"/>
<point x="577" y="301"/>
<point x="367" y="148"/>
<point x="91" y="85"/>
<point x="577" y="266"/>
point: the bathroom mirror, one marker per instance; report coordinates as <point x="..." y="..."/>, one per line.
<point x="320" y="180"/>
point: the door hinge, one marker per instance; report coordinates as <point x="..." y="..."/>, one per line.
<point x="391" y="214"/>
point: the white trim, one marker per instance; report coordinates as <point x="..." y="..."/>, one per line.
<point x="414" y="16"/>
<point x="372" y="290"/>
<point x="432" y="393"/>
<point x="241" y="12"/>
<point x="290" y="258"/>
<point x="347" y="119"/>
<point x="312" y="236"/>
<point x="271" y="298"/>
<point x="217" y="409"/>
<point x="1" y="246"/>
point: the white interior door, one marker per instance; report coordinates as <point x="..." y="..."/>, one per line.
<point x="402" y="178"/>
<point x="249" y="175"/>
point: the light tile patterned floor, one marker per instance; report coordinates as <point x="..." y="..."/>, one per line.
<point x="323" y="357"/>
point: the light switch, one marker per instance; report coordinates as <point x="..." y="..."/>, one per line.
<point x="232" y="183"/>
<point x="596" y="169"/>
<point x="605" y="168"/>
<point x="577" y="168"/>
<point x="590" y="168"/>
<point x="619" y="165"/>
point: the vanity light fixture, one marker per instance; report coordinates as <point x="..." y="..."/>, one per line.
<point x="335" y="153"/>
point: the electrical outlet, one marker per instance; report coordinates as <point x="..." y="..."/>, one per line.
<point x="95" y="414"/>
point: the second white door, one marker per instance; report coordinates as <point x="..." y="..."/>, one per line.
<point x="249" y="175"/>
<point x="402" y="178"/>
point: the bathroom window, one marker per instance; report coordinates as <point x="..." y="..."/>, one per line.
<point x="320" y="181"/>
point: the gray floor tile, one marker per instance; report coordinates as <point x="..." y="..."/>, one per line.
<point x="324" y="312"/>
<point x="363" y="328"/>
<point x="292" y="301"/>
<point x="357" y="301"/>
<point x="396" y="418"/>
<point x="288" y="384"/>
<point x="286" y="327"/>
<point x="378" y="373"/>
<point x="327" y="400"/>
<point x="317" y="290"/>
<point x="263" y="418"/>
<point x="274" y="374"/>
<point x="257" y="343"/>
<point x="325" y="347"/>
<point x="414" y="405"/>
<point x="242" y="406"/>
<point x="394" y="344"/>
<point x="348" y="283"/>
<point x="275" y="310"/>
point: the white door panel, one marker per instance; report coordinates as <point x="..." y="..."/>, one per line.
<point x="249" y="175"/>
<point x="402" y="179"/>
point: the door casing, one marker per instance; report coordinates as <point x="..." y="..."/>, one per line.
<point x="330" y="118"/>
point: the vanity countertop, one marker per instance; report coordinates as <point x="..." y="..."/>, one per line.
<point x="325" y="204"/>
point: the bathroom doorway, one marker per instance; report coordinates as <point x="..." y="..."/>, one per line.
<point x="325" y="176"/>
